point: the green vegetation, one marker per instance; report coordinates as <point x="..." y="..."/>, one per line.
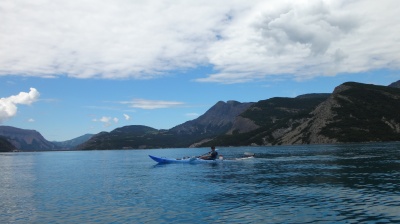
<point x="268" y="112"/>
<point x="5" y="145"/>
<point x="365" y="114"/>
<point x="272" y="114"/>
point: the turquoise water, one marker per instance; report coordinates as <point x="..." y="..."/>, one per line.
<point x="357" y="183"/>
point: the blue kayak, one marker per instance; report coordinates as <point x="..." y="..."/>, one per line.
<point x="196" y="160"/>
<point x="182" y="160"/>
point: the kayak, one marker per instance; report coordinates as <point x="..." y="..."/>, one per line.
<point x="181" y="160"/>
<point x="197" y="160"/>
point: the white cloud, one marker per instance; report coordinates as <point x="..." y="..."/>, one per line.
<point x="107" y="121"/>
<point x="127" y="117"/>
<point x="115" y="120"/>
<point x="307" y="40"/>
<point x="243" y="40"/>
<point x="8" y="105"/>
<point x="151" y="104"/>
<point x="31" y="120"/>
<point x="110" y="39"/>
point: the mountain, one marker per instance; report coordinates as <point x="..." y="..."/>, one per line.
<point x="216" y="121"/>
<point x="134" y="136"/>
<point x="354" y="112"/>
<point x="361" y="113"/>
<point x="71" y="144"/>
<point x="6" y="146"/>
<point x="270" y="119"/>
<point x="395" y="84"/>
<point x="26" y="140"/>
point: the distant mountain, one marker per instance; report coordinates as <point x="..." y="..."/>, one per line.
<point x="134" y="136"/>
<point x="71" y="144"/>
<point x="216" y="121"/>
<point x="26" y="140"/>
<point x="5" y="145"/>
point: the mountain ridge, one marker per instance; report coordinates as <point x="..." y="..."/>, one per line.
<point x="353" y="112"/>
<point x="73" y="143"/>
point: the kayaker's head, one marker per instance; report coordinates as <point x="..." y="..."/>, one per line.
<point x="213" y="148"/>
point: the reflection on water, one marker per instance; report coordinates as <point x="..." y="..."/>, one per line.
<point x="16" y="179"/>
<point x="285" y="184"/>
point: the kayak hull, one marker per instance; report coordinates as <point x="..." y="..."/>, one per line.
<point x="194" y="160"/>
<point x="183" y="160"/>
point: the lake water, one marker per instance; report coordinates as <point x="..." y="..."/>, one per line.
<point x="352" y="183"/>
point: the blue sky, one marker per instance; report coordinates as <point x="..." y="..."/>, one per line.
<point x="99" y="66"/>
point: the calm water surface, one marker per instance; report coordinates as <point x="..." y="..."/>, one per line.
<point x="357" y="183"/>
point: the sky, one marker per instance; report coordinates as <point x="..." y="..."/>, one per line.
<point x="72" y="67"/>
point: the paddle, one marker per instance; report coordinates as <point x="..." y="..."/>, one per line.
<point x="195" y="157"/>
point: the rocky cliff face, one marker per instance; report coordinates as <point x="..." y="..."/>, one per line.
<point x="26" y="140"/>
<point x="243" y="125"/>
<point x="308" y="132"/>
<point x="218" y="119"/>
<point x="353" y="113"/>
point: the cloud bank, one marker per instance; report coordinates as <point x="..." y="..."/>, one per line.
<point x="8" y="105"/>
<point x="242" y="40"/>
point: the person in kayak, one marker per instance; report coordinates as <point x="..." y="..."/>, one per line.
<point x="212" y="155"/>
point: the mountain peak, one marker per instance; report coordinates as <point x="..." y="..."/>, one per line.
<point x="218" y="119"/>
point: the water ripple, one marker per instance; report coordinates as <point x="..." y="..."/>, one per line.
<point x="357" y="183"/>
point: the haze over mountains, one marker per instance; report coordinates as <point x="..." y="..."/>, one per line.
<point x="354" y="112"/>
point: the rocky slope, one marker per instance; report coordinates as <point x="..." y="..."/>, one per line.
<point x="218" y="119"/>
<point x="269" y="120"/>
<point x="354" y="112"/>
<point x="26" y="140"/>
<point x="363" y="113"/>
